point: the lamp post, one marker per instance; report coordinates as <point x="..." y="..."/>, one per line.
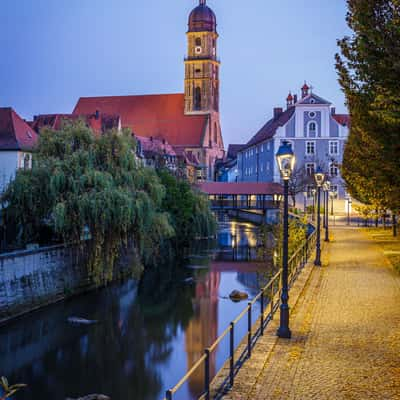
<point x="327" y="188"/>
<point x="305" y="202"/>
<point x="285" y="159"/>
<point x="314" y="192"/>
<point x="319" y="179"/>
<point x="348" y="209"/>
<point x="332" y="195"/>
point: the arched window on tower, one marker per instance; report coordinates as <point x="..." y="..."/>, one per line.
<point x="215" y="133"/>
<point x="197" y="99"/>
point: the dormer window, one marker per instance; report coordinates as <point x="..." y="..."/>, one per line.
<point x="29" y="134"/>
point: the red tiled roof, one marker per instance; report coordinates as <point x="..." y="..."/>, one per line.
<point x="239" y="188"/>
<point x="342" y="119"/>
<point x="98" y="124"/>
<point x="155" y="146"/>
<point x="269" y="129"/>
<point x="159" y="116"/>
<point x="15" y="133"/>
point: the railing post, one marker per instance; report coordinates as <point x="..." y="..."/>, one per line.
<point x="232" y="354"/>
<point x="207" y="374"/>
<point x="262" y="312"/>
<point x="272" y="300"/>
<point x="168" y="395"/>
<point x="249" y="330"/>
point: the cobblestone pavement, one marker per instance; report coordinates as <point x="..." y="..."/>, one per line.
<point x="345" y="331"/>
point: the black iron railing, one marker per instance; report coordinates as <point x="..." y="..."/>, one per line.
<point x="269" y="298"/>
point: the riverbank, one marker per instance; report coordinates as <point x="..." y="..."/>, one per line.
<point x="32" y="279"/>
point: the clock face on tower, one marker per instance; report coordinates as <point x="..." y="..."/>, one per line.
<point x="197" y="50"/>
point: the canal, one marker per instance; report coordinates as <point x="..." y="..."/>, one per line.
<point x="148" y="332"/>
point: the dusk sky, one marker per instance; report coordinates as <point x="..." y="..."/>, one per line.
<point x="53" y="52"/>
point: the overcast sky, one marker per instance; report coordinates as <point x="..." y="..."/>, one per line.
<point x="54" y="51"/>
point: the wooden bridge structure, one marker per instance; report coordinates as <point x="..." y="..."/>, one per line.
<point x="243" y="195"/>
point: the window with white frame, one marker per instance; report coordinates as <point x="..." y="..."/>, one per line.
<point x="262" y="148"/>
<point x="267" y="166"/>
<point x="261" y="167"/>
<point x="333" y="169"/>
<point x="310" y="148"/>
<point x="268" y="146"/>
<point x="312" y="128"/>
<point x="333" y="147"/>
<point x="310" y="169"/>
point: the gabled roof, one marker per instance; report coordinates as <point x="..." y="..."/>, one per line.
<point x="151" y="146"/>
<point x="233" y="149"/>
<point x="97" y="122"/>
<point x="312" y="98"/>
<point x="269" y="129"/>
<point x="15" y="133"/>
<point x="342" y="119"/>
<point x="159" y="116"/>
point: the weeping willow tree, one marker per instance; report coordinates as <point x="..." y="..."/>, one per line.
<point x="82" y="187"/>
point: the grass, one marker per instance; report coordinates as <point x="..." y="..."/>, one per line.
<point x="390" y="244"/>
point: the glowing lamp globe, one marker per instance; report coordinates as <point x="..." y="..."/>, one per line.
<point x="319" y="177"/>
<point x="286" y="160"/>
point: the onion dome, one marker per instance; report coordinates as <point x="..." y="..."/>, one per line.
<point x="202" y="19"/>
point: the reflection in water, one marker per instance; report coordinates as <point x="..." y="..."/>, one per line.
<point x="202" y="329"/>
<point x="149" y="332"/>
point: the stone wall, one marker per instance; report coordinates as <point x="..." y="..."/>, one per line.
<point x="32" y="278"/>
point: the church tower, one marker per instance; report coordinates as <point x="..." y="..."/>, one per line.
<point x="201" y="64"/>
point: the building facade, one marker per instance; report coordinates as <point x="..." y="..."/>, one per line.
<point x="189" y="121"/>
<point x="17" y="140"/>
<point x="317" y="135"/>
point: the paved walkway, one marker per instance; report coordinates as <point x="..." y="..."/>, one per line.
<point x="346" y="332"/>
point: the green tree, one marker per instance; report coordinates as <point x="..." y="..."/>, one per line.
<point x="85" y="186"/>
<point x="190" y="213"/>
<point x="369" y="70"/>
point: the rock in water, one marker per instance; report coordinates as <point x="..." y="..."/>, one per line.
<point x="236" y="295"/>
<point x="92" y="397"/>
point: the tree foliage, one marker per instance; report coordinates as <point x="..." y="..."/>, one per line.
<point x="82" y="187"/>
<point x="369" y="70"/>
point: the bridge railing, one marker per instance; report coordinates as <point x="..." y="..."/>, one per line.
<point x="269" y="299"/>
<point x="244" y="204"/>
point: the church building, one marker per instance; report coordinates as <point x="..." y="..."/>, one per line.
<point x="189" y="121"/>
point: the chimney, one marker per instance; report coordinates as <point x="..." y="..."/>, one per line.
<point x="333" y="111"/>
<point x="295" y="99"/>
<point x="277" y="112"/>
<point x="97" y="114"/>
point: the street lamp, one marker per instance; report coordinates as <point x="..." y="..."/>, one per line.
<point x="305" y="202"/>
<point x="332" y="195"/>
<point x="319" y="179"/>
<point x="286" y="160"/>
<point x="327" y="188"/>
<point x="314" y="192"/>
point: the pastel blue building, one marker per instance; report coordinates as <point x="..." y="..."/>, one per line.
<point x="317" y="135"/>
